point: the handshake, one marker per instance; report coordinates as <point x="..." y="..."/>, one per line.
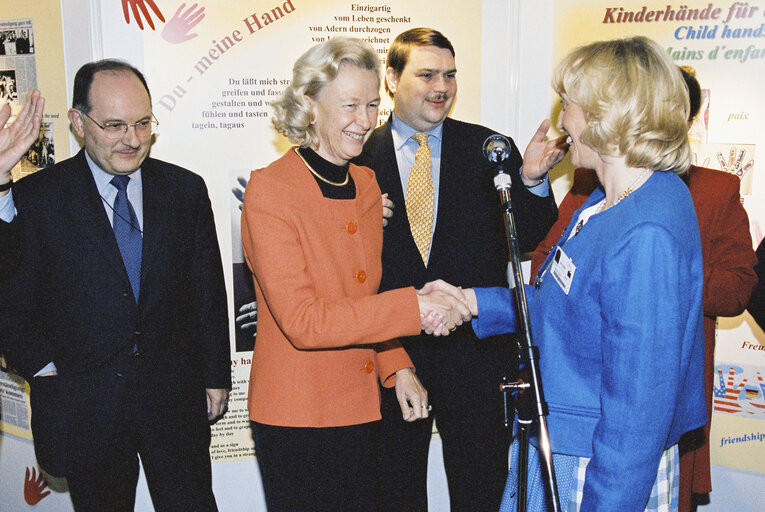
<point x="443" y="307"/>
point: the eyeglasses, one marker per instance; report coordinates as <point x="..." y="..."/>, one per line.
<point x="118" y="129"/>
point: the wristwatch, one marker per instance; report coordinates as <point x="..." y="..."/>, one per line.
<point x="539" y="181"/>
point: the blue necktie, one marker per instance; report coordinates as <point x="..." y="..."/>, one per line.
<point x="128" y="233"/>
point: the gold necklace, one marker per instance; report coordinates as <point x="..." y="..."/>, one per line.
<point x="627" y="191"/>
<point x="322" y="178"/>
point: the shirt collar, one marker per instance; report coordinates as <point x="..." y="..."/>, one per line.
<point x="103" y="179"/>
<point x="402" y="132"/>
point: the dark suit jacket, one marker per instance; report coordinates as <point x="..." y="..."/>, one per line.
<point x="469" y="248"/>
<point x="10" y="248"/>
<point x="70" y="303"/>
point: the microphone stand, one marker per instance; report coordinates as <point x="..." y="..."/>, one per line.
<point x="530" y="404"/>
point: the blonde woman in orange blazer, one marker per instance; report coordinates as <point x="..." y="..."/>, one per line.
<point x="312" y="235"/>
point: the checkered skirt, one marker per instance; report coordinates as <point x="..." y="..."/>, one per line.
<point x="569" y="473"/>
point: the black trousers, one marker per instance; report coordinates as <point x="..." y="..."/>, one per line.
<point x="329" y="469"/>
<point x="475" y="457"/>
<point x="177" y="466"/>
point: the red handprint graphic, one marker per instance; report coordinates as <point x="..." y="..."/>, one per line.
<point x="135" y="5"/>
<point x="34" y="487"/>
<point x="177" y="29"/>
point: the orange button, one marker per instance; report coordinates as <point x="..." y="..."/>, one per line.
<point x="369" y="366"/>
<point x="361" y="276"/>
<point x="351" y="227"/>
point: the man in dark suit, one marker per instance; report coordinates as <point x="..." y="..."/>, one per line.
<point x="22" y="43"/>
<point x="117" y="315"/>
<point x="466" y="246"/>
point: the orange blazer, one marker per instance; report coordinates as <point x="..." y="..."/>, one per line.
<point x="316" y="265"/>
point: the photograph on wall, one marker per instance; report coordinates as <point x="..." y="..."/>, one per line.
<point x="14" y="405"/>
<point x="8" y="91"/>
<point x="16" y="37"/>
<point x="245" y="305"/>
<point x="18" y="55"/>
<point x="40" y="155"/>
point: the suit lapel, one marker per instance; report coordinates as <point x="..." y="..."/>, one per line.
<point x="85" y="209"/>
<point x="386" y="168"/>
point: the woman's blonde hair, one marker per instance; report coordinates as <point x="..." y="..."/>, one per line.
<point x="311" y="72"/>
<point x="634" y="99"/>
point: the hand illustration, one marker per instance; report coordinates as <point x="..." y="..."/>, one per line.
<point x="247" y="319"/>
<point x="726" y="395"/>
<point x="34" y="487"/>
<point x="739" y="168"/>
<point x="735" y="164"/>
<point x="177" y="29"/>
<point x="239" y="191"/>
<point x="135" y="5"/>
<point x="695" y="160"/>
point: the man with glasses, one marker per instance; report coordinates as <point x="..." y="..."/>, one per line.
<point x="116" y="315"/>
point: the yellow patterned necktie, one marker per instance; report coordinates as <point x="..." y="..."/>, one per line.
<point x="419" y="197"/>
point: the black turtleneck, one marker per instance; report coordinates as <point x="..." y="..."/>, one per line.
<point x="331" y="172"/>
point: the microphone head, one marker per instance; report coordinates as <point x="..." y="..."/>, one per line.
<point x="496" y="148"/>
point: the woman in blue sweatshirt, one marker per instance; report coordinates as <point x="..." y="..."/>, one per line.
<point x="616" y="308"/>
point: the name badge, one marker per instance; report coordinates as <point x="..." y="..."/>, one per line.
<point x="562" y="270"/>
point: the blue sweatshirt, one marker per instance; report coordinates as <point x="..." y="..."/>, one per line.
<point x="622" y="353"/>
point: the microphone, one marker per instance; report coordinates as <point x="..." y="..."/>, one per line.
<point x="496" y="149"/>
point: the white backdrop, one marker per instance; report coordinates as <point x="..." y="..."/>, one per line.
<point x="513" y="96"/>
